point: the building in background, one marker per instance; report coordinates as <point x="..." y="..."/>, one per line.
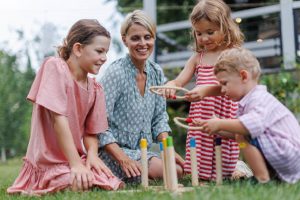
<point x="271" y="32"/>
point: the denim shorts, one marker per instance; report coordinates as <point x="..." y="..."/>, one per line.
<point x="273" y="173"/>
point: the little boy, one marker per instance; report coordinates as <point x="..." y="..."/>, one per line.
<point x="268" y="133"/>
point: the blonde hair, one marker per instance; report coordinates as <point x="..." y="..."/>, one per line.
<point x="83" y="32"/>
<point x="236" y="59"/>
<point x="219" y="13"/>
<point x="141" y="18"/>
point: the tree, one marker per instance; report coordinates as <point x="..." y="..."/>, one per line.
<point x="13" y="107"/>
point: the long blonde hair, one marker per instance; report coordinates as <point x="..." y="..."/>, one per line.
<point x="219" y="13"/>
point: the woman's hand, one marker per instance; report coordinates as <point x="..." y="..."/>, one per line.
<point x="81" y="177"/>
<point x="93" y="161"/>
<point x="132" y="168"/>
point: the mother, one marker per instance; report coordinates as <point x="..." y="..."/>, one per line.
<point x="133" y="112"/>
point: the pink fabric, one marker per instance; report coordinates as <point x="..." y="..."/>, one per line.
<point x="45" y="167"/>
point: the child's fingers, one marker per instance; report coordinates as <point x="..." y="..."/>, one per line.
<point x="74" y="185"/>
<point x="85" y="183"/>
<point x="72" y="178"/>
<point x="78" y="182"/>
<point x="90" y="179"/>
<point x="198" y="122"/>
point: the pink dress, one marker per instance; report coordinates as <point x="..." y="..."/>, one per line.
<point x="45" y="168"/>
<point x="220" y="107"/>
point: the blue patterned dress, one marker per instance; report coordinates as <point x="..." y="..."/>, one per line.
<point x="131" y="116"/>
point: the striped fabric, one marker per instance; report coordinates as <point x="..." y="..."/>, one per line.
<point x="220" y="107"/>
<point x="276" y="129"/>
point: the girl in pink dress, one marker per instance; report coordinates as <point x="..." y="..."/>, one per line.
<point x="214" y="31"/>
<point x="68" y="112"/>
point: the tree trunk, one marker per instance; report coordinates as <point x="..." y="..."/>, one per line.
<point x="3" y="154"/>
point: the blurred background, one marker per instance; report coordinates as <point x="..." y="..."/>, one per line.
<point x="31" y="30"/>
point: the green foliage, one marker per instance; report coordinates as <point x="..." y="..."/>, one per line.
<point x="178" y="109"/>
<point x="14" y="111"/>
<point x="285" y="86"/>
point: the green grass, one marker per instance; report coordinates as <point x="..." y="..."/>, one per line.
<point x="239" y="190"/>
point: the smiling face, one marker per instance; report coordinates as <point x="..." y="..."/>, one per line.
<point x="140" y="43"/>
<point x="208" y="35"/>
<point x="93" y="55"/>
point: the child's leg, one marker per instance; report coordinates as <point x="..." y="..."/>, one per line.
<point x="255" y="160"/>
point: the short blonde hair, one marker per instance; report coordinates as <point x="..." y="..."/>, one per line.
<point x="141" y="18"/>
<point x="219" y="13"/>
<point x="237" y="59"/>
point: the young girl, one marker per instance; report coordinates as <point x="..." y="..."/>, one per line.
<point x="266" y="130"/>
<point x="214" y="31"/>
<point x="68" y="106"/>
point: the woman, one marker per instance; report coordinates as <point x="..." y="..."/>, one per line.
<point x="133" y="112"/>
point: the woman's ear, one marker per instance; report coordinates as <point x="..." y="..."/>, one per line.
<point x="244" y="75"/>
<point x="124" y="40"/>
<point x="77" y="49"/>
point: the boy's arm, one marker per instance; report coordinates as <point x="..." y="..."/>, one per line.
<point x="232" y="125"/>
<point x="214" y="126"/>
<point x="227" y="134"/>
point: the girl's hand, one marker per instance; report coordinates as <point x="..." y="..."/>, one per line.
<point x="81" y="177"/>
<point x="132" y="168"/>
<point x="210" y="126"/>
<point x="169" y="93"/>
<point x="93" y="161"/>
<point x="196" y="94"/>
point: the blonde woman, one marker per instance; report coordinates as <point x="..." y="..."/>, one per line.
<point x="133" y="112"/>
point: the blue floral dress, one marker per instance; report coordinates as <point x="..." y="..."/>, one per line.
<point x="131" y="116"/>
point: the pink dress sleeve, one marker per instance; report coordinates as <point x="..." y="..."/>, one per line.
<point x="96" y="120"/>
<point x="49" y="88"/>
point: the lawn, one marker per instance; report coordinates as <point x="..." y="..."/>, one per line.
<point x="239" y="190"/>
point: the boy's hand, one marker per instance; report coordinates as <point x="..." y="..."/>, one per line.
<point x="210" y="126"/>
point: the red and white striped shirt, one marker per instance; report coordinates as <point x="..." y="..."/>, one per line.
<point x="221" y="107"/>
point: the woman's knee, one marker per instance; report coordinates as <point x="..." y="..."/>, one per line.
<point x="155" y="168"/>
<point x="180" y="171"/>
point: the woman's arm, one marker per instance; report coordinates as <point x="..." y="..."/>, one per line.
<point x="81" y="176"/>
